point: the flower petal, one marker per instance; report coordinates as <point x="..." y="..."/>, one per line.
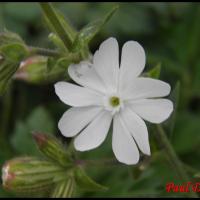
<point x="74" y="95"/>
<point x="85" y="75"/>
<point x="145" y="88"/>
<point x="76" y="118"/>
<point x="152" y="110"/>
<point x="96" y="132"/>
<point x="123" y="145"/>
<point x="132" y="62"/>
<point x="106" y="63"/>
<point x="137" y="128"/>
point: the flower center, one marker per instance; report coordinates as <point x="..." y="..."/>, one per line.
<point x="114" y="101"/>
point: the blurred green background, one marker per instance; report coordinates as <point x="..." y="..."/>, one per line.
<point x="170" y="35"/>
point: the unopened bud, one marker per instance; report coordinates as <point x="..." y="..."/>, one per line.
<point x="36" y="70"/>
<point x="11" y="55"/>
<point x="53" y="149"/>
<point x="64" y="189"/>
<point x="28" y="175"/>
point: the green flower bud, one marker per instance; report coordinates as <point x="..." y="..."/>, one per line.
<point x="29" y="175"/>
<point x="53" y="149"/>
<point x="64" y="189"/>
<point x="42" y="70"/>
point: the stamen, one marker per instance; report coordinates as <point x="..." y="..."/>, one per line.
<point x="114" y="101"/>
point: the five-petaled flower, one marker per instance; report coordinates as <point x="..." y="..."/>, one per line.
<point x="109" y="92"/>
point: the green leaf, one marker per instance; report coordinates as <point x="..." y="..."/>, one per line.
<point x="38" y="120"/>
<point x="89" y="31"/>
<point x="58" y="24"/>
<point x="66" y="25"/>
<point x="85" y="182"/>
<point x="155" y="72"/>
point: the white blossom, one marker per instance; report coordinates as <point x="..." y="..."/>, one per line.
<point x="112" y="91"/>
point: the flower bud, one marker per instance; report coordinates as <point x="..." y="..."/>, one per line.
<point x="36" y="70"/>
<point x="28" y="175"/>
<point x="53" y="149"/>
<point x="64" y="189"/>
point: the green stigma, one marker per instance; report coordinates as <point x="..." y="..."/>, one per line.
<point x="114" y="101"/>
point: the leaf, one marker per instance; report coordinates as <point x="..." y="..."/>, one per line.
<point x="58" y="24"/>
<point x="85" y="182"/>
<point x="38" y="120"/>
<point x="67" y="26"/>
<point x="155" y="72"/>
<point x="89" y="31"/>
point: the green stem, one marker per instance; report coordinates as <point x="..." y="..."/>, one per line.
<point x="73" y="57"/>
<point x="173" y="158"/>
<point x="43" y="51"/>
<point x="55" y="22"/>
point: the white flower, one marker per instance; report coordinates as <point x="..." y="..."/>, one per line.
<point x="108" y="93"/>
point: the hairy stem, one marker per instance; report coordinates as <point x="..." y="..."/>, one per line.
<point x="43" y="51"/>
